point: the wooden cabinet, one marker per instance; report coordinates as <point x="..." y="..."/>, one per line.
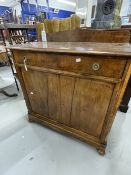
<point x="74" y="92"/>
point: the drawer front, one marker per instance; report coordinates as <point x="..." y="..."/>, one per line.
<point x="37" y="59"/>
<point x="93" y="65"/>
<point x="86" y="65"/>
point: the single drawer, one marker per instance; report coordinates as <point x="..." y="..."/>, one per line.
<point x="93" y="65"/>
<point x="112" y="67"/>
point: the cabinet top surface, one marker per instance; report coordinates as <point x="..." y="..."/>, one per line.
<point x="92" y="48"/>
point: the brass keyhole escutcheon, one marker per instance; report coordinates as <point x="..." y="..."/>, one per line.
<point x="95" y="66"/>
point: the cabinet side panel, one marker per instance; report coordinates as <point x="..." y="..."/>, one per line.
<point x="115" y="102"/>
<point x="90" y="103"/>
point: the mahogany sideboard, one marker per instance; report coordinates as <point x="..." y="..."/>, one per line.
<point x="74" y="88"/>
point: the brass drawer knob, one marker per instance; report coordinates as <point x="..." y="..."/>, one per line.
<point x="95" y="66"/>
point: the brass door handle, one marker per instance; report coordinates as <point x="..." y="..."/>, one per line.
<point x="25" y="60"/>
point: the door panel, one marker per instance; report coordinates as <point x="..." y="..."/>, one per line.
<point x="60" y="95"/>
<point x="90" y="104"/>
<point x="36" y="87"/>
<point x="54" y="97"/>
<point x="66" y="90"/>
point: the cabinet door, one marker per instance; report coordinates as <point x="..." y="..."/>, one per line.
<point x="78" y="103"/>
<point x="90" y="104"/>
<point x="49" y="94"/>
<point x="36" y="87"/>
<point x="60" y="94"/>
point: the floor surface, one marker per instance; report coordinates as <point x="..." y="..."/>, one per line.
<point x="31" y="149"/>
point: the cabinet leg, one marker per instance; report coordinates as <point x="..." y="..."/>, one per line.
<point x="101" y="151"/>
<point x="123" y="108"/>
<point x="30" y="119"/>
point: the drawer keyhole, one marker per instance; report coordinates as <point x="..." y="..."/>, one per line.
<point x="95" y="66"/>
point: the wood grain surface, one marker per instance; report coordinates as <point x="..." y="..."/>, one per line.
<point x="74" y="63"/>
<point x="90" y="35"/>
<point x="88" y="48"/>
<point x="64" y="92"/>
